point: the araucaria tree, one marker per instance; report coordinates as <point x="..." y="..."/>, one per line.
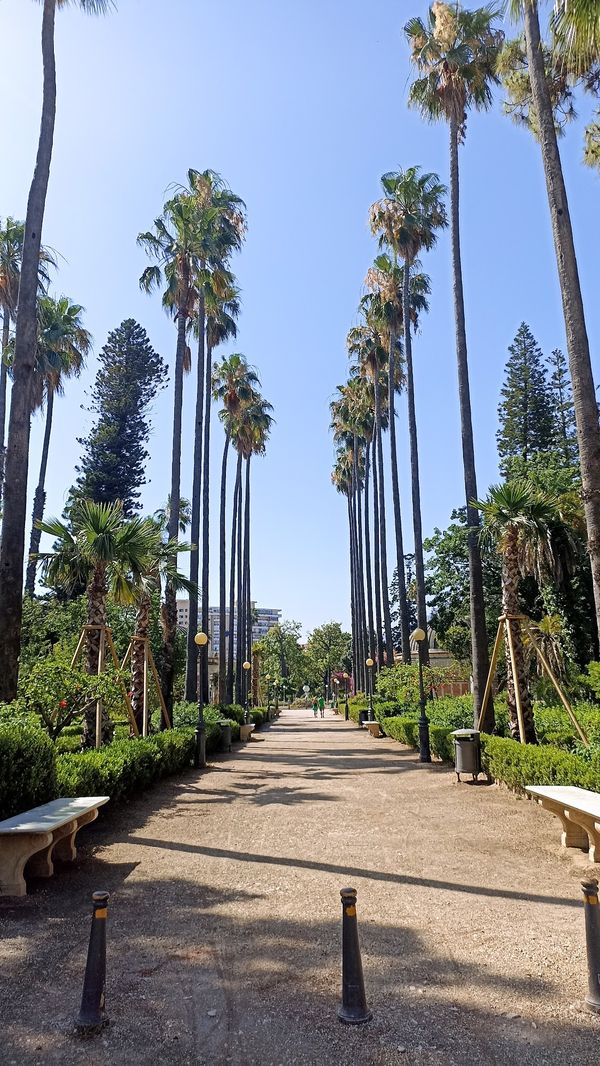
<point x="114" y="458"/>
<point x="525" y="415"/>
<point x="12" y="548"/>
<point x="455" y="56"/>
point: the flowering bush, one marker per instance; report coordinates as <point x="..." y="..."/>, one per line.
<point x="58" y="694"/>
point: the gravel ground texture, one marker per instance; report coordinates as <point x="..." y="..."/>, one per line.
<point x="225" y="918"/>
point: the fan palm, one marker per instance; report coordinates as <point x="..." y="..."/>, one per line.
<point x="582" y="379"/>
<point x="62" y="347"/>
<point x="455" y="54"/>
<point x="12" y="548"/>
<point x="407" y="219"/>
<point x="519" y="521"/>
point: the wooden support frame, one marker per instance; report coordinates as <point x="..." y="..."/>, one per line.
<point x="505" y="624"/>
<point x="149" y="669"/>
<point x="105" y="640"/>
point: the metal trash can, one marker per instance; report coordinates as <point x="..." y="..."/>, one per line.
<point x="467" y="752"/>
<point x="363" y="716"/>
<point x="225" y="744"/>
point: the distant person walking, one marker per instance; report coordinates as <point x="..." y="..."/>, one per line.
<point x="322" y="706"/>
<point x="315" y="706"/>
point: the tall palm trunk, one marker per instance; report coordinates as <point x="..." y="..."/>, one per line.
<point x="191" y="672"/>
<point x="402" y="597"/>
<point x="3" y="383"/>
<point x="360" y="575"/>
<point x="96" y="616"/>
<point x="378" y="650"/>
<point x="169" y="613"/>
<point x="368" y="572"/>
<point x="222" y="578"/>
<point x="584" y="395"/>
<point x="12" y="548"/>
<point x="234" y="523"/>
<point x="138" y="657"/>
<point x="479" y="638"/>
<point x="353" y="628"/>
<point x="510" y="606"/>
<point x="385" y="588"/>
<point x="206" y="514"/>
<point x="39" y="499"/>
<point x="358" y="596"/>
<point x="414" y="468"/>
<point x="239" y="642"/>
<point x="247" y="591"/>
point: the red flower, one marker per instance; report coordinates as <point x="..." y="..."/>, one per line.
<point x="63" y="704"/>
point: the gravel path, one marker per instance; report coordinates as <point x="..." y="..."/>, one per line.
<point x="224" y="919"/>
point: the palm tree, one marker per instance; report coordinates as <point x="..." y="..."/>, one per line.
<point x="62" y="347"/>
<point x="12" y="548"/>
<point x="519" y="521"/>
<point x="455" y="55"/>
<point x="221" y="225"/>
<point x="584" y="395"/>
<point x="576" y="24"/>
<point x="106" y="554"/>
<point x="407" y="220"/>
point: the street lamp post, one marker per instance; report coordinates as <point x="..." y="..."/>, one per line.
<point x="346" y="711"/>
<point x="335" y="692"/>
<point x="419" y="636"/>
<point x="201" y="640"/>
<point x="369" y="665"/>
<point x="268" y="680"/>
<point x="246" y="667"/>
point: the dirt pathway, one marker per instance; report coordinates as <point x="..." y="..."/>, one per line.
<point x="225" y="919"/>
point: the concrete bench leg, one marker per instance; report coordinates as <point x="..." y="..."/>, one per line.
<point x="589" y="828"/>
<point x="15" y="850"/>
<point x="65" y="847"/>
<point x="41" y="865"/>
<point x="573" y="835"/>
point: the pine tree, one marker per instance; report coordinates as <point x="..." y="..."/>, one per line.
<point x="525" y="411"/>
<point x="563" y="409"/>
<point x="113" y="464"/>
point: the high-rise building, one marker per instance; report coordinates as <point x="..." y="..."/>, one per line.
<point x="264" y="618"/>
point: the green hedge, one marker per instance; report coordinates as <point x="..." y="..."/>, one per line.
<point x="518" y="765"/>
<point x="27" y="768"/>
<point x="406" y="730"/>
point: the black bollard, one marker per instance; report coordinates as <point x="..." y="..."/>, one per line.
<point x="592" y="940"/>
<point x="92" y="1016"/>
<point x="354" y="1010"/>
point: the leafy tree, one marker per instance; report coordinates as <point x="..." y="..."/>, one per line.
<point x="329" y="649"/>
<point x="411" y="600"/>
<point x="525" y="412"/>
<point x="114" y="459"/>
<point x="282" y="656"/>
<point x="12" y="548"/>
<point x="563" y="409"/>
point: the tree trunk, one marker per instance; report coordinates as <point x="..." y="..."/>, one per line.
<point x="414" y="468"/>
<point x="96" y="616"/>
<point x="358" y="618"/>
<point x="479" y="637"/>
<point x="360" y="570"/>
<point x="222" y="579"/>
<point x="169" y="615"/>
<point x="191" y="670"/>
<point x="584" y="395"/>
<point x="234" y="521"/>
<point x="355" y="652"/>
<point x="12" y="548"/>
<point x="239" y="639"/>
<point x="138" y="655"/>
<point x="402" y="597"/>
<point x="510" y="606"/>
<point x="39" y="499"/>
<point x="3" y="382"/>
<point x="378" y="650"/>
<point x="247" y="592"/>
<point x="385" y="588"/>
<point x="369" y="576"/>
<point x="206" y="516"/>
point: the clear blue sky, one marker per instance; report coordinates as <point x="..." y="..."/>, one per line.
<point x="301" y="106"/>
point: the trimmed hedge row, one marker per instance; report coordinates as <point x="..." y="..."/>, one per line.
<point x="406" y="730"/>
<point x="27" y="769"/>
<point x="125" y="766"/>
<point x="518" y="765"/>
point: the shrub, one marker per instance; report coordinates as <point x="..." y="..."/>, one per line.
<point x="27" y="769"/>
<point x="518" y="765"/>
<point x="257" y="715"/>
<point x="406" y="730"/>
<point x="125" y="766"/>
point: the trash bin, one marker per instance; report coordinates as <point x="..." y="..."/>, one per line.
<point x="467" y="752"/>
<point x="225" y="736"/>
<point x="363" y="716"/>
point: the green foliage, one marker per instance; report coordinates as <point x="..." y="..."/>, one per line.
<point x="27" y="768"/>
<point x="593" y="678"/>
<point x="59" y="694"/>
<point x="328" y="649"/>
<point x="114" y="459"/>
<point x="405" y="729"/>
<point x="525" y="411"/>
<point x="125" y="766"/>
<point x="518" y="765"/>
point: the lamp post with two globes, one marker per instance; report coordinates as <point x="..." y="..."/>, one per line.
<point x="201" y="640"/>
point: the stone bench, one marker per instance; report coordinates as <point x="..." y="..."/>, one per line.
<point x="246" y="731"/>
<point x="578" y="810"/>
<point x="37" y="836"/>
<point x="374" y="729"/>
